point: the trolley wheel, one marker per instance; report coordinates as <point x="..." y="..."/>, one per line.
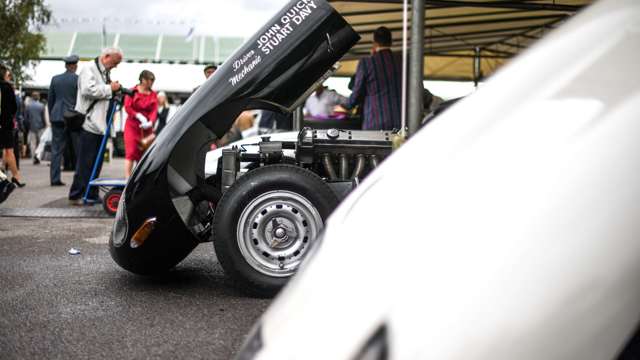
<point x="111" y="200"/>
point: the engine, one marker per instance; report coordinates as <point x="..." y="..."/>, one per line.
<point x="341" y="157"/>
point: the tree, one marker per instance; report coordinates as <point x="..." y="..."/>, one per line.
<point x="20" y="23"/>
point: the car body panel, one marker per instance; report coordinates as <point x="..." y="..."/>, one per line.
<point x="516" y="238"/>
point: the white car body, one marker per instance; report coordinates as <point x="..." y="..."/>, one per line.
<point x="518" y="237"/>
<point x="251" y="145"/>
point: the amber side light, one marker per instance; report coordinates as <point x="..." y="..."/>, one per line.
<point x="143" y="233"/>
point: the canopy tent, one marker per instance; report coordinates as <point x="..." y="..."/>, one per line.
<point x="457" y="33"/>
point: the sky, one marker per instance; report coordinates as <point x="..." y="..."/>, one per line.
<point x="207" y="17"/>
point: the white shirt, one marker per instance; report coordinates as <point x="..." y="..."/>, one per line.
<point x="323" y="105"/>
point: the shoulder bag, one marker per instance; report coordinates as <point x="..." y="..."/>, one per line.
<point x="74" y="119"/>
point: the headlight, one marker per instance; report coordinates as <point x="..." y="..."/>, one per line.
<point x="376" y="348"/>
<point x="252" y="345"/>
<point x="121" y="224"/>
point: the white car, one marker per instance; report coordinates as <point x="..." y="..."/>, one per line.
<point x="518" y="237"/>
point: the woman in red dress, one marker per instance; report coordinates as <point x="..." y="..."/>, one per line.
<point x="142" y="112"/>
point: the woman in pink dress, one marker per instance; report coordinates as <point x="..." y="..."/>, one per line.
<point x="142" y="112"/>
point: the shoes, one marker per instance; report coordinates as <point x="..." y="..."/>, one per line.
<point x="5" y="190"/>
<point x="58" y="183"/>
<point x="36" y="161"/>
<point x="76" y="202"/>
<point x="93" y="201"/>
<point x="80" y="202"/>
<point x="18" y="183"/>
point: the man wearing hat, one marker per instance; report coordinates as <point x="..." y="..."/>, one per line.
<point x="62" y="96"/>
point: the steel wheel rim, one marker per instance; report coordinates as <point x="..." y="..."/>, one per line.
<point x="274" y="232"/>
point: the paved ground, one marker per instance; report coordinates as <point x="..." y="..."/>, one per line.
<point x="57" y="306"/>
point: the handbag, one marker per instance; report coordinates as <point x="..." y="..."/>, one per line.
<point x="74" y="119"/>
<point x="145" y="142"/>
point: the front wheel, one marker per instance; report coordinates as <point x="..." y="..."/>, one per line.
<point x="265" y="223"/>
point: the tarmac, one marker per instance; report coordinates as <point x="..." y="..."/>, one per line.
<point x="55" y="305"/>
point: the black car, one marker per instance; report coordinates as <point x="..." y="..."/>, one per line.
<point x="262" y="221"/>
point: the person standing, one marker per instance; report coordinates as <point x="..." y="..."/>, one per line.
<point x="62" y="97"/>
<point x="21" y="143"/>
<point x="34" y="117"/>
<point x="95" y="89"/>
<point x="163" y="112"/>
<point x="322" y="102"/>
<point x="209" y="70"/>
<point x="142" y="112"/>
<point x="8" y="108"/>
<point x="378" y="85"/>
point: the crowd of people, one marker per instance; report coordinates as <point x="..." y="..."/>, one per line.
<point x="376" y="94"/>
<point x="23" y="123"/>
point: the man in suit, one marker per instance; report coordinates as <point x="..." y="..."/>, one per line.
<point x="62" y="97"/>
<point x="36" y="122"/>
<point x="95" y="89"/>
<point x="378" y="85"/>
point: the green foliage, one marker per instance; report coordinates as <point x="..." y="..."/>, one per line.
<point x="20" y="23"/>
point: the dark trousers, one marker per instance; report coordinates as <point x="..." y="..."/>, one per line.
<point x="58" y="142"/>
<point x="72" y="139"/>
<point x="88" y="148"/>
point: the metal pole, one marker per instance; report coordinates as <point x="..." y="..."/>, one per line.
<point x="100" y="157"/>
<point x="298" y="117"/>
<point x="476" y="67"/>
<point x="416" y="66"/>
<point x="403" y="108"/>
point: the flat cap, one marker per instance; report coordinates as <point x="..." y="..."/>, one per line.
<point x="71" y="59"/>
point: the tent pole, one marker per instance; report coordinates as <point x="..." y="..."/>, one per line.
<point x="477" y="67"/>
<point x="405" y="36"/>
<point x="416" y="66"/>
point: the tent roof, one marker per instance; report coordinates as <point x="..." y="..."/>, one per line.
<point x="499" y="29"/>
<point x="454" y="29"/>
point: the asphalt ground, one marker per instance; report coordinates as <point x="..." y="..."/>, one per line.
<point x="54" y="305"/>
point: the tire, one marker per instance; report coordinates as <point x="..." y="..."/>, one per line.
<point x="265" y="223"/>
<point x="111" y="200"/>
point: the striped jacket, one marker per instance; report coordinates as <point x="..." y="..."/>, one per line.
<point x="378" y="88"/>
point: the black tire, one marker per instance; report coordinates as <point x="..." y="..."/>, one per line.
<point x="292" y="198"/>
<point x="111" y="200"/>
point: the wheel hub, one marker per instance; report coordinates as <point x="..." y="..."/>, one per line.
<point x="280" y="233"/>
<point x="274" y="230"/>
